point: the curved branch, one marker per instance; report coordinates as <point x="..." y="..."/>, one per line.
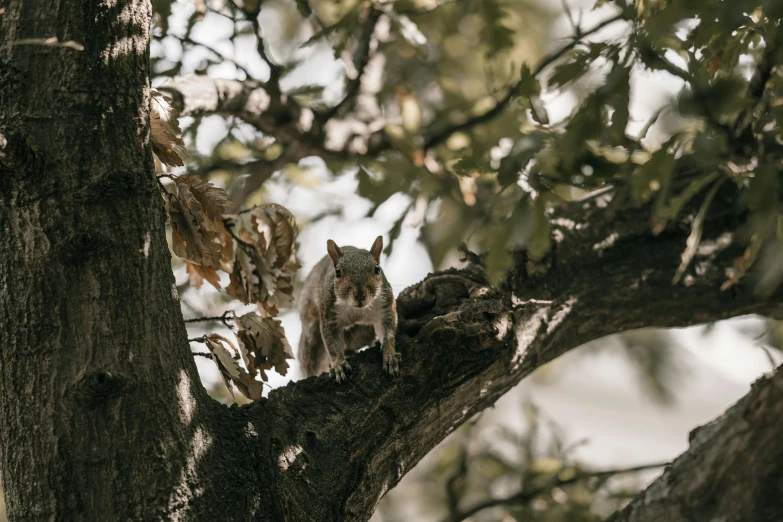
<point x="465" y="344"/>
<point x="732" y="470"/>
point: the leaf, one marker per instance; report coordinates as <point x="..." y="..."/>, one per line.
<point x="193" y="236"/>
<point x="410" y="31"/>
<point x="539" y="241"/>
<point x="744" y="263"/>
<point x="671" y="209"/>
<point x="213" y="200"/>
<point x="263" y="344"/>
<point x="197" y="274"/>
<point x="411" y="113"/>
<point x="494" y="34"/>
<point x="653" y="175"/>
<point x="165" y="134"/>
<point x="265" y="263"/>
<point x="576" y="66"/>
<point x="529" y="90"/>
<point x="471" y="164"/>
<point x="227" y="362"/>
<point x="521" y="153"/>
<point x="279" y="225"/>
<point x="245" y="283"/>
<point x="692" y="243"/>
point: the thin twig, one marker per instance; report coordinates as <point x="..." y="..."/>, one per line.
<point x="225" y="318"/>
<point x="202" y="339"/>
<point x="574" y="26"/>
<point x="442" y="135"/>
<point x="527" y="496"/>
<point x="361" y="58"/>
<point x="769" y="356"/>
<point x="189" y="40"/>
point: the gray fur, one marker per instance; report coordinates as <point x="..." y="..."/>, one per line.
<point x="342" y="314"/>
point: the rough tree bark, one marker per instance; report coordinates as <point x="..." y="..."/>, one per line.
<point x="102" y="416"/>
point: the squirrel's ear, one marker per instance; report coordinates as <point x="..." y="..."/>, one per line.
<point x="334" y="251"/>
<point x="377" y="248"/>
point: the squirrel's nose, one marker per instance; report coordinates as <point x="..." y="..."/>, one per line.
<point x="359" y="296"/>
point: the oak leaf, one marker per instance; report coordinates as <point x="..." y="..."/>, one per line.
<point x="193" y="237"/>
<point x="263" y="345"/>
<point x="165" y="134"/>
<point x="265" y="262"/>
<point x="226" y="356"/>
<point x="197" y="274"/>
<point x="213" y="200"/>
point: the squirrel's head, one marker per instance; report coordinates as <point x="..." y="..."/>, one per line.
<point x="357" y="273"/>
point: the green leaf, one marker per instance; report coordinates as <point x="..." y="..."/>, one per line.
<point x="528" y="85"/>
<point x="576" y="65"/>
<point x="692" y="243"/>
<point x="529" y="89"/>
<point x="539" y="242"/>
<point x="762" y="195"/>
<point x="672" y="207"/>
<point x="521" y="153"/>
<point x="471" y="164"/>
<point x="494" y="34"/>
<point x="653" y="176"/>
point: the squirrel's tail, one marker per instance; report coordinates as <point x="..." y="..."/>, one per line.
<point x="313" y="358"/>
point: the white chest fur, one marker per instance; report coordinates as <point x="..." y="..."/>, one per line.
<point x="348" y="315"/>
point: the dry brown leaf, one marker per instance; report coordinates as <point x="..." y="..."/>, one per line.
<point x="227" y="253"/>
<point x="263" y="344"/>
<point x="266" y="260"/>
<point x="197" y="274"/>
<point x="276" y="223"/>
<point x="228" y="363"/>
<point x="165" y="134"/>
<point x="213" y="200"/>
<point x="193" y="237"/>
<point x="245" y="284"/>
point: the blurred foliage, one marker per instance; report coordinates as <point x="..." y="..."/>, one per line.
<point x="458" y="111"/>
<point x="497" y="473"/>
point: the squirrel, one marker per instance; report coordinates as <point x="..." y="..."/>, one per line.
<point x="345" y="304"/>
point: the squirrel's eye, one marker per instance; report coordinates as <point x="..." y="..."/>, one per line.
<point x="377" y="269"/>
<point x="337" y="272"/>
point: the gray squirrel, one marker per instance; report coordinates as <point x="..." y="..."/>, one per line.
<point x="346" y="301"/>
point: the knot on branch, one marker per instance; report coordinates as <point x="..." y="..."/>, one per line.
<point x="101" y="385"/>
<point x="84" y="245"/>
<point x="443" y="292"/>
<point x="478" y="326"/>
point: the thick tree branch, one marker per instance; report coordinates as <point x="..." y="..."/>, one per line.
<point x="732" y="470"/>
<point x="465" y="344"/>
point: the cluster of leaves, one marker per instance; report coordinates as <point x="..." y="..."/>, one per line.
<point x="256" y="247"/>
<point x="724" y="127"/>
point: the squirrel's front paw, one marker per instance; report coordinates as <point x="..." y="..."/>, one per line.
<point x="391" y="363"/>
<point x="339" y="371"/>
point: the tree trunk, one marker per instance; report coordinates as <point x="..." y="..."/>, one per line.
<point x="98" y="393"/>
<point x="102" y="415"/>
